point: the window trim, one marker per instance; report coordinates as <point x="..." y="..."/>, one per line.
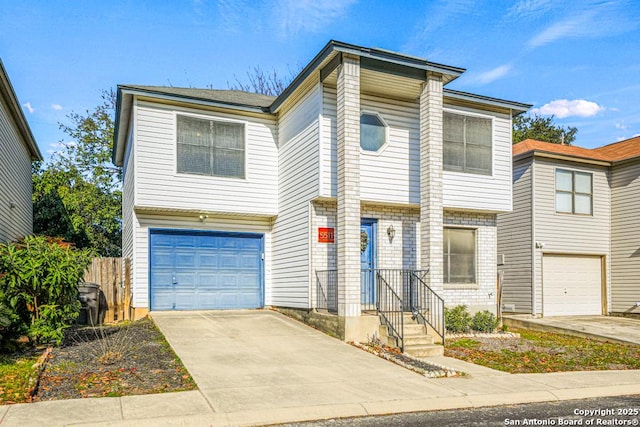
<point x="473" y="284"/>
<point x="245" y="125"/>
<point x="386" y="133"/>
<point x="573" y="191"/>
<point x="493" y="138"/>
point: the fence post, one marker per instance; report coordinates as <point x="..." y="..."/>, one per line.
<point x="127" y="289"/>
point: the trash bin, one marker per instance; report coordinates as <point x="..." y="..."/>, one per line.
<point x="90" y="303"/>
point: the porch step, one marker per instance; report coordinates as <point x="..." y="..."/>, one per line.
<point x="424" y="350"/>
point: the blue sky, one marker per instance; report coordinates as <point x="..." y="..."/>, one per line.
<point x="579" y="60"/>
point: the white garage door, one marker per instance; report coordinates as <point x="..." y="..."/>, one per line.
<point x="571" y="285"/>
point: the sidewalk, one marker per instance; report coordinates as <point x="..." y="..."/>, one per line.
<point x="191" y="408"/>
<point x="260" y="367"/>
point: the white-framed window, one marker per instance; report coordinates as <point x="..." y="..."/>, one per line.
<point x="373" y="132"/>
<point x="574" y="192"/>
<point x="459" y="251"/>
<point x="210" y="147"/>
<point x="467" y="143"/>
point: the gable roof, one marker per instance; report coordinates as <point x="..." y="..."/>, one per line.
<point x="9" y="96"/>
<point x="618" y="151"/>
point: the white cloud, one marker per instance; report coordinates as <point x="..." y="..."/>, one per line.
<point x="29" y="108"/>
<point x="493" y="74"/>
<point x="56" y="107"/>
<point x="621" y="125"/>
<point x="590" y="19"/>
<point x="530" y="8"/>
<point x="296" y="16"/>
<point x="562" y="108"/>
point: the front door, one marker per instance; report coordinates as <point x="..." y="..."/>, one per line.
<point x="367" y="263"/>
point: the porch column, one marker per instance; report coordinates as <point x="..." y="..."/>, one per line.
<point x="348" y="210"/>
<point x="431" y="152"/>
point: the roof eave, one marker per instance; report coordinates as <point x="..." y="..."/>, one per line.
<point x="515" y="107"/>
<point x="557" y="156"/>
<point x="7" y="92"/>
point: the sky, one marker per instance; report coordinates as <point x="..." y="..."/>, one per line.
<point x="578" y="60"/>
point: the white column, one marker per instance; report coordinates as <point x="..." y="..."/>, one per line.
<point x="348" y="218"/>
<point x="431" y="151"/>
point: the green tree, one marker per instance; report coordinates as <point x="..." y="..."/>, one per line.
<point x="77" y="193"/>
<point x="527" y="126"/>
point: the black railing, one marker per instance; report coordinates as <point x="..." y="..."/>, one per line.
<point x="389" y="306"/>
<point x="427" y="307"/>
<point x="327" y="290"/>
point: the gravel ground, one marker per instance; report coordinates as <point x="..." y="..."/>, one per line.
<point x="112" y="361"/>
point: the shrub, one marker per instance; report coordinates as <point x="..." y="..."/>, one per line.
<point x="39" y="279"/>
<point x="484" y="321"/>
<point x="457" y="319"/>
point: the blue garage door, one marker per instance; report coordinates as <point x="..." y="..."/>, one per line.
<point x="202" y="270"/>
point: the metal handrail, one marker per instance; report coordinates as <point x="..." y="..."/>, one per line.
<point x="326" y="290"/>
<point x="427" y="306"/>
<point x="389" y="307"/>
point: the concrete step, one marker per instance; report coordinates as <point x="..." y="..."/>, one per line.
<point x="424" y="350"/>
<point x="421" y="339"/>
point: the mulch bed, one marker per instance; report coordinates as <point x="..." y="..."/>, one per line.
<point x="112" y="361"/>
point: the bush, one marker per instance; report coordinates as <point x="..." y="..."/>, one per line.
<point x="484" y="321"/>
<point x="39" y="283"/>
<point x="457" y="319"/>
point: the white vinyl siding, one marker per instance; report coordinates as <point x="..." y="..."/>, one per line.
<point x="483" y="192"/>
<point x="514" y="242"/>
<point x="128" y="191"/>
<point x="625" y="238"/>
<point x="390" y="175"/>
<point x="299" y="170"/>
<point x="158" y="185"/>
<point x="144" y="221"/>
<point x="569" y="234"/>
<point x="16" y="188"/>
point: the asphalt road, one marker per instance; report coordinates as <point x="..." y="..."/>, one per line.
<point x="610" y="411"/>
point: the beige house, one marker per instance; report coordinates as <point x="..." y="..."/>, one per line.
<point x="572" y="242"/>
<point x="366" y="187"/>
<point x="18" y="149"/>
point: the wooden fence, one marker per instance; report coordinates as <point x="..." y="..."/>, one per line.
<point x="115" y="284"/>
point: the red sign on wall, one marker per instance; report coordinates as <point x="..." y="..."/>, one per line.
<point x="325" y="235"/>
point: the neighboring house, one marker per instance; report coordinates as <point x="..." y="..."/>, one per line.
<point x="17" y="150"/>
<point x="353" y="177"/>
<point x="572" y="242"/>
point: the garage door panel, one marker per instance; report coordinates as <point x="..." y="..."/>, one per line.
<point x="212" y="271"/>
<point x="572" y="285"/>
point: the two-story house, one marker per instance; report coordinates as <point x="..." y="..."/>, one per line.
<point x="572" y="241"/>
<point x="365" y="182"/>
<point x="17" y="150"/>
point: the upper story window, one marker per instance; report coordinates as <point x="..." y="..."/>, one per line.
<point x="467" y="143"/>
<point x="574" y="192"/>
<point x="210" y="147"/>
<point x="459" y="255"/>
<point x="373" y="132"/>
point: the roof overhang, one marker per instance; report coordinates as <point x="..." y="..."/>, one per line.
<point x="10" y="98"/>
<point x="328" y="59"/>
<point x="556" y="156"/>
<point x="516" y="108"/>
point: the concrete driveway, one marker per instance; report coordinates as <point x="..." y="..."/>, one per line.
<point x="255" y="360"/>
<point x="603" y="328"/>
